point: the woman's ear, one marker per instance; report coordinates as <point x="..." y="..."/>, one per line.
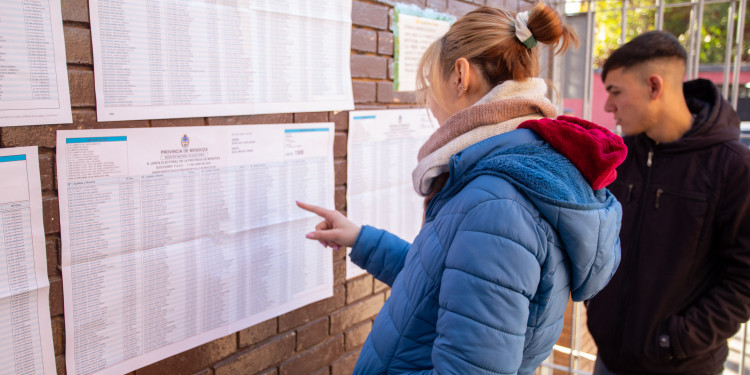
<point x="463" y="76"/>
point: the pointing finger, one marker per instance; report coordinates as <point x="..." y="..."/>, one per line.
<point x="320" y="211"/>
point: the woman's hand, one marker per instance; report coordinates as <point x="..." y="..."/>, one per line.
<point x="335" y="230"/>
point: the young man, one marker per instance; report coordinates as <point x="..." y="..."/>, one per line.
<point x="683" y="286"/>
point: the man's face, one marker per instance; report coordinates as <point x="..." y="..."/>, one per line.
<point x="629" y="100"/>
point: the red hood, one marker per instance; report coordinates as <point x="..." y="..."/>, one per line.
<point x="594" y="150"/>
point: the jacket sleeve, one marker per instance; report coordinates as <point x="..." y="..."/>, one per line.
<point x="717" y="315"/>
<point x="491" y="274"/>
<point x="379" y="252"/>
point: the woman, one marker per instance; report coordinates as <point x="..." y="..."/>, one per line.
<point x="516" y="217"/>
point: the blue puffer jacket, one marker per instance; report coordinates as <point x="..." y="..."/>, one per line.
<point x="483" y="288"/>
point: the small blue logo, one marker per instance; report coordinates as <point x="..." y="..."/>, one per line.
<point x="185" y="141"/>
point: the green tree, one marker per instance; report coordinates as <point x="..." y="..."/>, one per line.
<point x="641" y="15"/>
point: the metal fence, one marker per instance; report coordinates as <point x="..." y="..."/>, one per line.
<point x="725" y="51"/>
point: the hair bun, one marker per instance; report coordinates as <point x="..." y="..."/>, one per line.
<point x="548" y="28"/>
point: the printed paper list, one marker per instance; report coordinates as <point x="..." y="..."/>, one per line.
<point x="162" y="59"/>
<point x="25" y="327"/>
<point x="383" y="146"/>
<point x="175" y="237"/>
<point x="33" y="72"/>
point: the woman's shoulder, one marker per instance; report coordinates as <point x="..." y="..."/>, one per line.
<point x="490" y="193"/>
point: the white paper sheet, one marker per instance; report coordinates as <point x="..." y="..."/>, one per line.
<point x="415" y="34"/>
<point x="25" y="325"/>
<point x="162" y="59"/>
<point x="173" y="237"/>
<point x="33" y="72"/>
<point x="382" y="153"/>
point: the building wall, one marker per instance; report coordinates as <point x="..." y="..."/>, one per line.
<point x="322" y="338"/>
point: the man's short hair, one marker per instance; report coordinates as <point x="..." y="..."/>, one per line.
<point x="645" y="47"/>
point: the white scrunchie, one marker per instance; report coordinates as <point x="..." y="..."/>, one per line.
<point x="523" y="33"/>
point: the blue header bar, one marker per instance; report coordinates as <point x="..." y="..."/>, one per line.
<point x="306" y="130"/>
<point x="96" y="139"/>
<point x="12" y="158"/>
<point x="364" y="117"/>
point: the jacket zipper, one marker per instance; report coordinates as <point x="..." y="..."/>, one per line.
<point x="634" y="257"/>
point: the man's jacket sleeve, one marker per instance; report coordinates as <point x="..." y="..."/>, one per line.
<point x="717" y="315"/>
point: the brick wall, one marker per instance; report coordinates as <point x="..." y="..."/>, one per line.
<point x="322" y="338"/>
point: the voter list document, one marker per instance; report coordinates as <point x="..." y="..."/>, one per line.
<point x="195" y="58"/>
<point x="25" y="327"/>
<point x="173" y="237"/>
<point x="382" y="152"/>
<point x="33" y="72"/>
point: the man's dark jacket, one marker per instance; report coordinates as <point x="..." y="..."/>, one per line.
<point x="683" y="286"/>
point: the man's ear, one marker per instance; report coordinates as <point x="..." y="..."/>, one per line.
<point x="656" y="86"/>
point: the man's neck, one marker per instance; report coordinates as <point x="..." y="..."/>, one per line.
<point x="674" y="122"/>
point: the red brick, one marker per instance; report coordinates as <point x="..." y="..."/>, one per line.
<point x="419" y="3"/>
<point x="58" y="335"/>
<point x="356" y="313"/>
<point x="273" y="118"/>
<point x="339" y="169"/>
<point x="340" y="118"/>
<point x="86" y="119"/>
<point x="311" y="117"/>
<point x="314" y="358"/>
<point x="340" y="198"/>
<point x="339" y="273"/>
<point x="324" y="371"/>
<point x="367" y="107"/>
<point x="258" y="358"/>
<point x="391" y="67"/>
<point x="194" y="360"/>
<point x="313" y="311"/>
<point x="273" y="371"/>
<point x="356" y="336"/>
<point x="312" y="334"/>
<point x="193" y="121"/>
<point x="379" y="286"/>
<point x="75" y="10"/>
<point x="51" y="212"/>
<point x="339" y="145"/>
<point x="60" y="364"/>
<point x="364" y="92"/>
<point x="385" y="42"/>
<point x="52" y="244"/>
<point x="38" y="135"/>
<point x="439" y="5"/>
<point x="387" y="95"/>
<point x="358" y="288"/>
<point x="207" y="371"/>
<point x="364" y="14"/>
<point x="364" y="40"/>
<point x="47" y="170"/>
<point x="499" y="4"/>
<point x="368" y="66"/>
<point x="339" y="254"/>
<point x="522" y="5"/>
<point x="259" y="332"/>
<point x="78" y="45"/>
<point x="345" y="364"/>
<point x="56" y="306"/>
<point x="81" y="83"/>
<point x="459" y="8"/>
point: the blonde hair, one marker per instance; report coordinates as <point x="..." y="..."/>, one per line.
<point x="486" y="37"/>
